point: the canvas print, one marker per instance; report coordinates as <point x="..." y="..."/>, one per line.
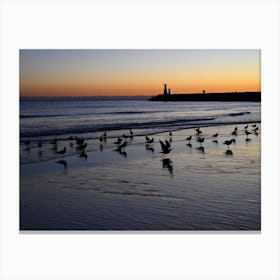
<point x="140" y="140"/>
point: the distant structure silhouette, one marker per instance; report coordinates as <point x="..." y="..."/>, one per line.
<point x="204" y="91"/>
<point x="165" y="89"/>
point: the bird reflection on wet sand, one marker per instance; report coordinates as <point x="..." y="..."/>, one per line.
<point x="149" y="148"/>
<point x="121" y="151"/>
<point x="189" y="145"/>
<point x="228" y="152"/>
<point x="84" y="155"/>
<point x="201" y="149"/>
<point x="64" y="163"/>
<point x="167" y="163"/>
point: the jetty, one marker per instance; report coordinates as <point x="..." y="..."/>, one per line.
<point x="247" y="96"/>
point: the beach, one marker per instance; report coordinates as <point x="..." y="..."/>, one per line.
<point x="206" y="186"/>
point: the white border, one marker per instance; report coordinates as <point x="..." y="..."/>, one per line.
<point x="140" y="24"/>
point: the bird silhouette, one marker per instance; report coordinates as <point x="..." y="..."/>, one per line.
<point x="167" y="143"/>
<point x="189" y="138"/>
<point x="198" y="131"/>
<point x="200" y="140"/>
<point x="215" y="135"/>
<point x="79" y="141"/>
<point x="165" y="147"/>
<point x="247" y="132"/>
<point x="150" y="141"/>
<point x="62" y="152"/>
<point x="228" y="142"/>
<point x="119" y="140"/>
<point x="234" y="132"/>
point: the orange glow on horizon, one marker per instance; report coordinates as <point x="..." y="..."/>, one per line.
<point x="137" y="72"/>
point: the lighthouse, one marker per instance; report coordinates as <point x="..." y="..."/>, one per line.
<point x="165" y="89"/>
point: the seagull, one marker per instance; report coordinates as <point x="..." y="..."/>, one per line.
<point x="215" y="141"/>
<point x="81" y="147"/>
<point x="118" y="142"/>
<point x="245" y="127"/>
<point x="235" y="129"/>
<point x="189" y="138"/>
<point x="247" y="132"/>
<point x="215" y="135"/>
<point x="101" y="138"/>
<point x="80" y="141"/>
<point x="254" y="125"/>
<point x="170" y="133"/>
<point x="165" y="147"/>
<point x="167" y="143"/>
<point x="131" y="132"/>
<point x="120" y="151"/>
<point x="150" y="141"/>
<point x="198" y="131"/>
<point x="233" y="140"/>
<point x="200" y="140"/>
<point x="227" y="142"/>
<point x="122" y="145"/>
<point x="62" y="152"/>
<point x="234" y="132"/>
<point x="256" y="129"/>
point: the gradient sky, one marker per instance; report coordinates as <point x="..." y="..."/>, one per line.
<point x="137" y="72"/>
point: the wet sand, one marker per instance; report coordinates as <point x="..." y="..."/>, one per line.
<point x="187" y="189"/>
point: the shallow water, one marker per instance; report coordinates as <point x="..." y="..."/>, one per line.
<point x="192" y="190"/>
<point x="46" y="118"/>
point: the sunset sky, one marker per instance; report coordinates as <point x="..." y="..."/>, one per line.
<point x="137" y="72"/>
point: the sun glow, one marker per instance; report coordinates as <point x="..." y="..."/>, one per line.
<point x="136" y="72"/>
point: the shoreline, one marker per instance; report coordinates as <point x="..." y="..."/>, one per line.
<point x="194" y="190"/>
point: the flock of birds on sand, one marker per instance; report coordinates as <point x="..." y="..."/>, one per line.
<point x="122" y="141"/>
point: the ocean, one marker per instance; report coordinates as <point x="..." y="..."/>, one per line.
<point x="47" y="118"/>
<point x="196" y="186"/>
